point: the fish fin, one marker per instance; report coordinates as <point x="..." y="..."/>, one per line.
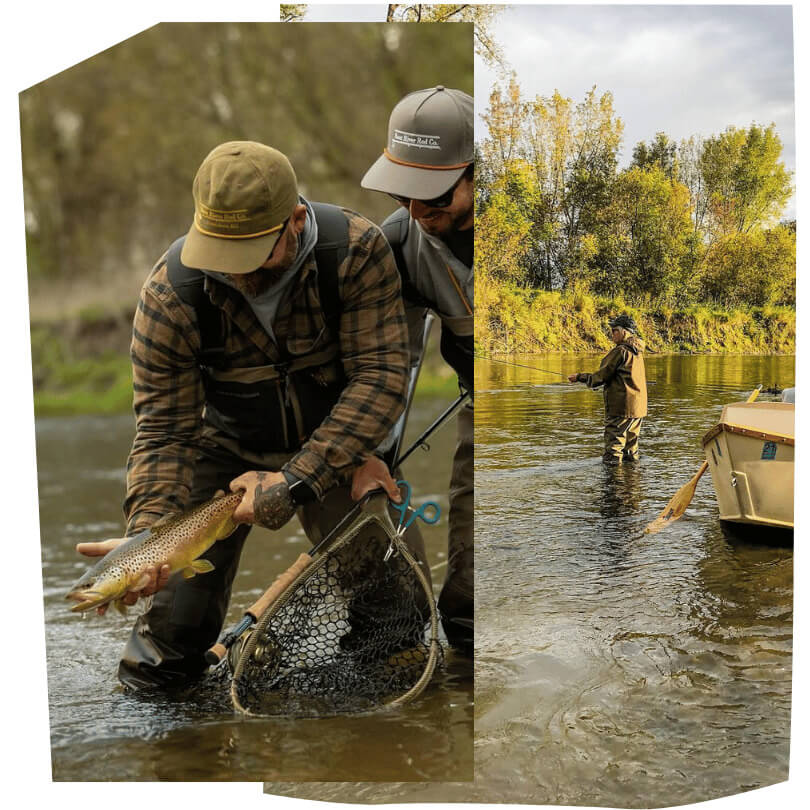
<point x="141" y="583"/>
<point x="165" y="519"/>
<point x="202" y="566"/>
<point x="121" y="607"/>
<point x="228" y="528"/>
<point x="189" y="572"/>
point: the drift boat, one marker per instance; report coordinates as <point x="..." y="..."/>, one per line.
<point x="750" y="455"/>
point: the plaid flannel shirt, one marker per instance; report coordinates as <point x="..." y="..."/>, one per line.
<point x="168" y="387"/>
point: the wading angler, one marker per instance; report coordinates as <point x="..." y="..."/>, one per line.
<point x="624" y="384"/>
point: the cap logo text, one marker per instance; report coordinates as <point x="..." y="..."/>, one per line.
<point x="416" y="140"/>
<point x="223" y="220"/>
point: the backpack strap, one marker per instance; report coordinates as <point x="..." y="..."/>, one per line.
<point x="331" y="249"/>
<point x="189" y="284"/>
<point x="395" y="228"/>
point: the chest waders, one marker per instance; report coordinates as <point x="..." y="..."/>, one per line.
<point x="273" y="408"/>
<point x="457" y="344"/>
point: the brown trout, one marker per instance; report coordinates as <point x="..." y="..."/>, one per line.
<point x="176" y="541"/>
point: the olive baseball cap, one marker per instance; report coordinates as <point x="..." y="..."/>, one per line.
<point x="430" y="144"/>
<point x="244" y="192"/>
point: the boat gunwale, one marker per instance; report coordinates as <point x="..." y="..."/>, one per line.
<point x="741" y="430"/>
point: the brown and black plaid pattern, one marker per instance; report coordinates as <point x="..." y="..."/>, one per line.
<point x="168" y="388"/>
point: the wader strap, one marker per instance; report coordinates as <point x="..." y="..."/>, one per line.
<point x="189" y="284"/>
<point x="330" y="251"/>
<point x="460" y="292"/>
<point x="459" y="325"/>
<point x="395" y="229"/>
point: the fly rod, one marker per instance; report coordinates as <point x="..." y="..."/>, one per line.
<point x="398" y="431"/>
<point x="520" y="365"/>
<point x="533" y="368"/>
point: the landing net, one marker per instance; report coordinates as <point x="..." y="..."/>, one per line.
<point x="353" y="632"/>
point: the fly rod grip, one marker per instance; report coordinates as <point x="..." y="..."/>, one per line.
<point x="220" y="649"/>
<point x="279" y="584"/>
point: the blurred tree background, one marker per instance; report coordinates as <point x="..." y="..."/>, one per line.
<point x="482" y="16"/>
<point x="110" y="146"/>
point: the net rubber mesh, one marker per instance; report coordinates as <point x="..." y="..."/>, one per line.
<point x="355" y="631"/>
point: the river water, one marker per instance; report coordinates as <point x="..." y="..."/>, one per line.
<point x="99" y="733"/>
<point x="615" y="668"/>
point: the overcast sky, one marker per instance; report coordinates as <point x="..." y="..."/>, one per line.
<point x="682" y="69"/>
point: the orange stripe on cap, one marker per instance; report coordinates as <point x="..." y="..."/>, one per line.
<point x="237" y="235"/>
<point x="424" y="165"/>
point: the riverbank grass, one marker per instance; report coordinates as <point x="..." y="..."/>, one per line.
<point x="511" y="319"/>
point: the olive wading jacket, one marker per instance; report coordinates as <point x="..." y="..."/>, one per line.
<point x="623" y="379"/>
<point x="371" y="355"/>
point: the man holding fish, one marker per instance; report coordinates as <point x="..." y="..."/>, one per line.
<point x="272" y="339"/>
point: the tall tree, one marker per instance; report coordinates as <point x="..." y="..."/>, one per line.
<point x="644" y="237"/>
<point x="661" y="152"/>
<point x="505" y="119"/>
<point x="292" y="12"/>
<point x="571" y="152"/>
<point x="747" y="183"/>
<point x="755" y="268"/>
<point x="575" y="151"/>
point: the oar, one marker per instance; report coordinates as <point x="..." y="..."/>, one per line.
<point x="683" y="497"/>
<point x="678" y="503"/>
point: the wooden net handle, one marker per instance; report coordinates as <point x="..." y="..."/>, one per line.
<point x="220" y="649"/>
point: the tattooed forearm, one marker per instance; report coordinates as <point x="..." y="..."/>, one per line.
<point x="273" y="506"/>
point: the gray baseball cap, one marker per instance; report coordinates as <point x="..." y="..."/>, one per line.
<point x="430" y="144"/>
<point x="244" y="192"/>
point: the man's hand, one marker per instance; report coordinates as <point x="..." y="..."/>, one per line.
<point x="373" y="474"/>
<point x="573" y="377"/>
<point x="157" y="579"/>
<point x="267" y="499"/>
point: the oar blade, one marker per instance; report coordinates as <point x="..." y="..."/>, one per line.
<point x="677" y="504"/>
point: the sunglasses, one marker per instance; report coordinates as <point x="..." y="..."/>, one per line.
<point x="442" y="201"/>
<point x="280" y="234"/>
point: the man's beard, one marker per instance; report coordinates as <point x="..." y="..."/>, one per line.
<point x="260" y="281"/>
<point x="441" y="227"/>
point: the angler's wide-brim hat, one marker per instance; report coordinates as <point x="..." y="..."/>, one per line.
<point x="430" y="144"/>
<point x="244" y="192"/>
